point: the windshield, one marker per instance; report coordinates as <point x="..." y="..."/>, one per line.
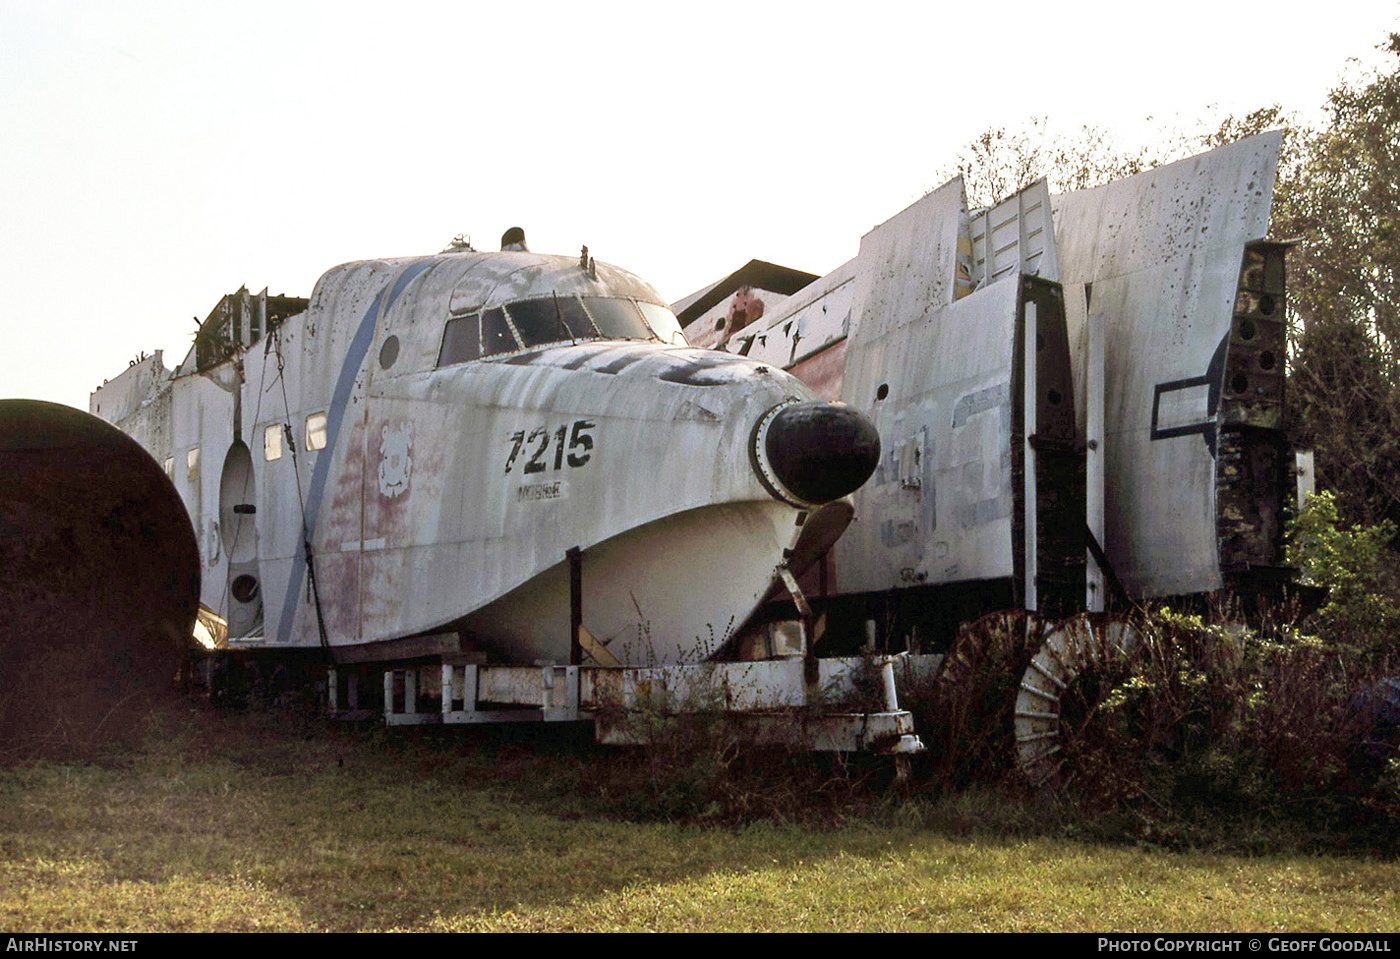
<point x="549" y="321"/>
<point x="553" y="319"/>
<point x="618" y="319"/>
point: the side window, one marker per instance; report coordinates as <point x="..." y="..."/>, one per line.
<point x="461" y="340"/>
<point x="170" y="467"/>
<point x="316" y="431"/>
<point x="618" y="318"/>
<point x="663" y="323"/>
<point x="272" y="442"/>
<point x="192" y="464"/>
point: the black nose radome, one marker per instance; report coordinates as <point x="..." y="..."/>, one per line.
<point x="817" y="452"/>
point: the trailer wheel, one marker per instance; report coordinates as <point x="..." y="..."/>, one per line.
<point x="1062" y="692"/>
<point x="974" y="694"/>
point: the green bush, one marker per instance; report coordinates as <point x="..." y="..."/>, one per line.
<point x="1359" y="570"/>
<point x="1207" y="725"/>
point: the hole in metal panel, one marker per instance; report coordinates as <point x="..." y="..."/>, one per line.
<point x="1266" y="305"/>
<point x="1240" y="383"/>
<point x="1266" y="360"/>
<point x="1247" y="329"/>
<point x="244" y="588"/>
<point x="882" y="391"/>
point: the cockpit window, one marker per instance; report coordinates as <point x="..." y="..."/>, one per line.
<point x="663" y="323"/>
<point x="496" y="336"/>
<point x="618" y="318"/>
<point x="461" y="341"/>
<point x="476" y="335"/>
<point x="552" y="319"/>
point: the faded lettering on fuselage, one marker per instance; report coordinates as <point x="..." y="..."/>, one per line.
<point x="541" y="492"/>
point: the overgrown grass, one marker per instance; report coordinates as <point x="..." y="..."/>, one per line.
<point x="1206" y="734"/>
<point x="1213" y="729"/>
<point x="244" y="822"/>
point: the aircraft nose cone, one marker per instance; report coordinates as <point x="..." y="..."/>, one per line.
<point x="817" y="452"/>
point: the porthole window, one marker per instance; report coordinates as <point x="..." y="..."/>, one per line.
<point x="316" y="431"/>
<point x="389" y="352"/>
<point x="272" y="442"/>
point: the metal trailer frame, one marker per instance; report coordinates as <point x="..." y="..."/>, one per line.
<point x="801" y="703"/>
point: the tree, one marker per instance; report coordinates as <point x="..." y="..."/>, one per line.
<point x="1000" y="162"/>
<point x="1338" y="192"/>
<point x="1343" y="200"/>
<point x="1357" y="566"/>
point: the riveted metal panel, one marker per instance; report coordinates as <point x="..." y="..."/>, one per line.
<point x="908" y="264"/>
<point x="1158" y="255"/>
<point x="806" y="323"/>
<point x="939" y="388"/>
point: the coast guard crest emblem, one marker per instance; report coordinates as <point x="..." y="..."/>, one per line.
<point x="395" y="464"/>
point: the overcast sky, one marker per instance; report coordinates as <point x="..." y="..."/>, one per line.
<point x="154" y="156"/>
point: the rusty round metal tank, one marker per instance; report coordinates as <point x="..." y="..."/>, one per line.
<point x="99" y="579"/>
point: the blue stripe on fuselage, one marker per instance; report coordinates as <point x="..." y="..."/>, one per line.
<point x="340" y="399"/>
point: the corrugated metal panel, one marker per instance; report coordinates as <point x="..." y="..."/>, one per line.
<point x="1015" y="236"/>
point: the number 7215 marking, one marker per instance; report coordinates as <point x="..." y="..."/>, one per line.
<point x="537" y="442"/>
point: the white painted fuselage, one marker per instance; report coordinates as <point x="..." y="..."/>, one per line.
<point x="443" y="430"/>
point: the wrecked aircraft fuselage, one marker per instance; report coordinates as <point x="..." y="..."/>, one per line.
<point x="484" y="451"/>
